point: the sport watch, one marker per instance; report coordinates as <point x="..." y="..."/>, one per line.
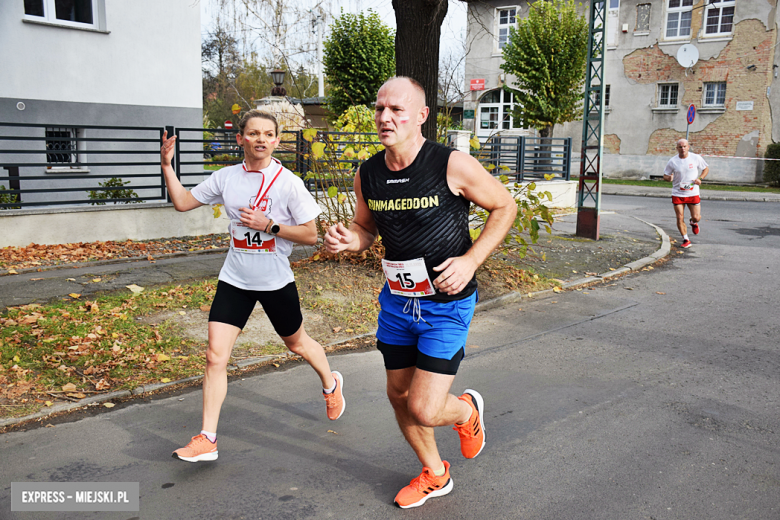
<point x="275" y="228"/>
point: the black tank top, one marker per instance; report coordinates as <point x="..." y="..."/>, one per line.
<point x="416" y="214"/>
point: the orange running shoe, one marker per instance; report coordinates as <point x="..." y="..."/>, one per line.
<point x="335" y="400"/>
<point x="425" y="486"/>
<point x="472" y="432"/>
<point x="200" y="448"/>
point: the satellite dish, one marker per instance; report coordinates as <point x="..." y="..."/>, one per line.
<point x="687" y="56"/>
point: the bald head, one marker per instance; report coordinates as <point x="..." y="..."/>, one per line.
<point x="410" y="86"/>
<point x="682" y="148"/>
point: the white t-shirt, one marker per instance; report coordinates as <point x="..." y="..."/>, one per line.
<point x="289" y="203"/>
<point x="684" y="172"/>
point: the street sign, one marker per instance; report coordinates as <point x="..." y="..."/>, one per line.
<point x="468" y="114"/>
<point x="691" y="113"/>
<point x="228" y="125"/>
<point x="478" y="84"/>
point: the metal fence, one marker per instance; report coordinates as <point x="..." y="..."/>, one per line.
<point x="527" y="158"/>
<point x="50" y="165"/>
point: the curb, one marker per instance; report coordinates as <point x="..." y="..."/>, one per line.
<point x="483" y="306"/>
<point x="702" y="196"/>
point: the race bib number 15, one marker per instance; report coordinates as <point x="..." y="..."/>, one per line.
<point x="408" y="278"/>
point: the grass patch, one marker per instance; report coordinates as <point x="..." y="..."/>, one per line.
<point x="72" y="348"/>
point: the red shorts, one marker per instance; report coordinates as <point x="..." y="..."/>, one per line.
<point x="685" y="200"/>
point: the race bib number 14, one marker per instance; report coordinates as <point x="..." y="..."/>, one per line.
<point x="244" y="239"/>
<point x="408" y="278"/>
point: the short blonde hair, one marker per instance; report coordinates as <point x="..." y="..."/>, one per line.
<point x="257" y="113"/>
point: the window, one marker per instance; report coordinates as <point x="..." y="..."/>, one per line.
<point x="642" y="18"/>
<point x="507" y="17"/>
<point x="667" y="95"/>
<point x="715" y="94"/>
<point x="678" y="18"/>
<point x="71" y="13"/>
<point x="495" y="113"/>
<point x="720" y="17"/>
<point x="614" y="4"/>
<point x="62" y="147"/>
<point x="597" y="99"/>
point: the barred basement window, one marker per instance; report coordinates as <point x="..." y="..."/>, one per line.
<point x="61" y="150"/>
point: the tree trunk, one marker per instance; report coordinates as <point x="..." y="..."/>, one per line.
<point x="417" y="37"/>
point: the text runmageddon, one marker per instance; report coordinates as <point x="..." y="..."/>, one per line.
<point x="403" y="204"/>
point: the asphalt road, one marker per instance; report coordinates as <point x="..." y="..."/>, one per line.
<point x="652" y="397"/>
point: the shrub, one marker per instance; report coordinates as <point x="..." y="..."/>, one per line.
<point x="8" y="198"/>
<point x="772" y="168"/>
<point x="115" y="194"/>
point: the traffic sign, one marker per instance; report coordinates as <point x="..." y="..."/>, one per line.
<point x="228" y="125"/>
<point x="691" y="113"/>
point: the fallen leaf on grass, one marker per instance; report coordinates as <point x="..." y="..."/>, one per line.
<point x="109" y="405"/>
<point x="74" y="295"/>
<point x="11" y="271"/>
<point x="334" y="433"/>
<point x="135" y="289"/>
<point x="70" y="387"/>
<point x="163" y="357"/>
<point x="336" y="329"/>
<point x="205" y="308"/>
<point x="556" y="289"/>
<point x="165" y="380"/>
<point x="48" y="403"/>
<point x="96" y="280"/>
<point x="71" y="279"/>
<point x="35" y="279"/>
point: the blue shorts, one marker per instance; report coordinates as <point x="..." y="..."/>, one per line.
<point x="432" y="340"/>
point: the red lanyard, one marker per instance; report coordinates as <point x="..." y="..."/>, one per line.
<point x="258" y="196"/>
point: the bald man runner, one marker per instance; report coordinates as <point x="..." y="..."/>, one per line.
<point x="686" y="170"/>
<point x="416" y="194"/>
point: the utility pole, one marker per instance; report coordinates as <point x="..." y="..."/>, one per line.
<point x="589" y="204"/>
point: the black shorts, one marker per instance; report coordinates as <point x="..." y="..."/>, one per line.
<point x="233" y="306"/>
<point x="404" y="356"/>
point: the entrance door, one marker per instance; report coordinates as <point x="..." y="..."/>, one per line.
<point x="495" y="114"/>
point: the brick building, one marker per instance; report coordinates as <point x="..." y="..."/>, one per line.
<point x="648" y="91"/>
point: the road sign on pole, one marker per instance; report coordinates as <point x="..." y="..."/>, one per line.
<point x="228" y="125"/>
<point x="691" y="116"/>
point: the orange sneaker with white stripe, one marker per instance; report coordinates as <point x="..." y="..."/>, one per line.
<point x="423" y="487"/>
<point x="472" y="432"/>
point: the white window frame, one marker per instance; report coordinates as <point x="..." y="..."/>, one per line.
<point x="715" y="88"/>
<point x="614" y="5"/>
<point x="678" y="12"/>
<point x="506" y="26"/>
<point x="718" y="5"/>
<point x="661" y="87"/>
<point x="50" y="17"/>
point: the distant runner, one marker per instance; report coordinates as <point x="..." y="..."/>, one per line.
<point x="416" y="195"/>
<point x="269" y="209"/>
<point x="686" y="170"/>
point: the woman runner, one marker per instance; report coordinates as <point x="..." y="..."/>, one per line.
<point x="269" y="209"/>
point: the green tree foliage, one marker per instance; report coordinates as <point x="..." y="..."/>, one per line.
<point x="359" y="56"/>
<point x="772" y="168"/>
<point x="547" y="54"/>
